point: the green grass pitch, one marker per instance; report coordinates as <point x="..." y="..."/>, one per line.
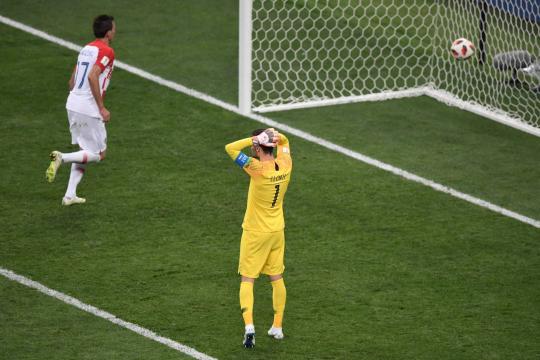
<point x="377" y="267"/>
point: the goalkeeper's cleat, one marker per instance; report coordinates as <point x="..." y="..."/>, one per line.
<point x="249" y="337"/>
<point x="56" y="161"/>
<point x="66" y="201"/>
<point x="276" y="333"/>
<point x="249" y="340"/>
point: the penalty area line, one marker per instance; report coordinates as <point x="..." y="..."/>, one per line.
<point x="104" y="315"/>
<point x="296" y="132"/>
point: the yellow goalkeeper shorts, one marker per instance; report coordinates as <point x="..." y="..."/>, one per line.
<point x="261" y="253"/>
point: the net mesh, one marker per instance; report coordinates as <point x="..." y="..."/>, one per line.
<point x="499" y="84"/>
<point x="306" y="51"/>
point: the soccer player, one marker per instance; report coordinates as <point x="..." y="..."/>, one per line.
<point x="86" y="111"/>
<point x="262" y="246"/>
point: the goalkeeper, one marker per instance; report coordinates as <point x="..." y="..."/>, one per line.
<point x="262" y="246"/>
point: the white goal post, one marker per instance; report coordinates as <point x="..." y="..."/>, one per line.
<point x="305" y="53"/>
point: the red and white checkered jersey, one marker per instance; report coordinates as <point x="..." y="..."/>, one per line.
<point x="80" y="98"/>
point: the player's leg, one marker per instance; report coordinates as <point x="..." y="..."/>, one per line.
<point x="75" y="177"/>
<point x="246" y="304"/>
<point x="254" y="250"/>
<point x="274" y="268"/>
<point x="279" y="298"/>
<point x="81" y="157"/>
<point x="90" y="134"/>
<point x="247" y="271"/>
<point x="78" y="169"/>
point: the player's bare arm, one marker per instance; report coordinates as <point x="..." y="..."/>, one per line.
<point x="93" y="79"/>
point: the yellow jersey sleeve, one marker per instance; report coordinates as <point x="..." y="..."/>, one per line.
<point x="251" y="165"/>
<point x="283" y="156"/>
<point x="234" y="150"/>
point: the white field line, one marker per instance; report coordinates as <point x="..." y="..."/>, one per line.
<point x="104" y="315"/>
<point x="299" y="133"/>
<point x="382" y="96"/>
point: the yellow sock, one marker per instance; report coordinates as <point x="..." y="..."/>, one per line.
<point x="246" y="301"/>
<point x="279" y="297"/>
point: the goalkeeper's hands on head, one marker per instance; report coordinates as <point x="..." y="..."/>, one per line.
<point x="268" y="138"/>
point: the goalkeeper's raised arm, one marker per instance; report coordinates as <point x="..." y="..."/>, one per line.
<point x="234" y="150"/>
<point x="283" y="147"/>
<point x="262" y="141"/>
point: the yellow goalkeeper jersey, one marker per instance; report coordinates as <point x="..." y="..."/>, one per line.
<point x="267" y="187"/>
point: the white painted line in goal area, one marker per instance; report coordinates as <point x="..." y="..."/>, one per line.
<point x="382" y="96"/>
<point x="104" y="315"/>
<point x="299" y="133"/>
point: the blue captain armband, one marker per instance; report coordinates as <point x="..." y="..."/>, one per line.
<point x="242" y="159"/>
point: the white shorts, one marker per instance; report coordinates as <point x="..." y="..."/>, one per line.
<point x="88" y="132"/>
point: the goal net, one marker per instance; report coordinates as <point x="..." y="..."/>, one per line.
<point x="306" y="53"/>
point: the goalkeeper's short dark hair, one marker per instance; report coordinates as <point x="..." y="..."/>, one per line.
<point x="266" y="149"/>
<point x="102" y="24"/>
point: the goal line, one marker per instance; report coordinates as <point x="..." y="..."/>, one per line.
<point x="440" y="95"/>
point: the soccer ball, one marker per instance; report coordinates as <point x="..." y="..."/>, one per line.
<point x="462" y="49"/>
